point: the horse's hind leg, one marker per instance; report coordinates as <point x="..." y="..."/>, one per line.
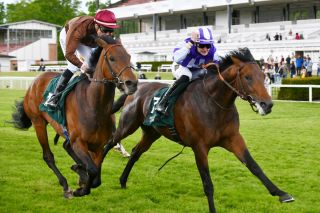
<point x="237" y="145"/>
<point x="149" y="135"/>
<point x="41" y="131"/>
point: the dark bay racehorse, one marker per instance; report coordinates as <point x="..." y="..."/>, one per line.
<point x="88" y="114"/>
<point x="205" y="116"/>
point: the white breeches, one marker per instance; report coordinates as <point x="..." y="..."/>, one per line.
<point x="83" y="52"/>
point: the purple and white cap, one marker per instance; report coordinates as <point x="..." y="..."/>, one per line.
<point x="206" y="36"/>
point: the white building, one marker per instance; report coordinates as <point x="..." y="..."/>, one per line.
<point x="28" y="42"/>
<point x="235" y="23"/>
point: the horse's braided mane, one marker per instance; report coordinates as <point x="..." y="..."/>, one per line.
<point x="243" y="54"/>
<point x="94" y="57"/>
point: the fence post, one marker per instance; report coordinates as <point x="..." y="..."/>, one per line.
<point x="310" y="93"/>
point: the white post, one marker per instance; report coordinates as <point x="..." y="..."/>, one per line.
<point x="310" y="93"/>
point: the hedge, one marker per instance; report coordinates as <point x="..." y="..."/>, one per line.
<point x="300" y="94"/>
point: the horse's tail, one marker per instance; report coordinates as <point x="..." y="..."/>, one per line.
<point x="118" y="103"/>
<point x="20" y="119"/>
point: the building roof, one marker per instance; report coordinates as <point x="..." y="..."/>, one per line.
<point x="6" y="56"/>
<point x="30" y="21"/>
<point x="131" y="2"/>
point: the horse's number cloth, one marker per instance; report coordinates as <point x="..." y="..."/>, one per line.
<point x="155" y="118"/>
<point x="58" y="114"/>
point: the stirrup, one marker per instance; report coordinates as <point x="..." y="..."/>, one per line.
<point x="51" y="101"/>
<point x="161" y="109"/>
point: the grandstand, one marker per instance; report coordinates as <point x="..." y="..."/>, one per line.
<point x="235" y="23"/>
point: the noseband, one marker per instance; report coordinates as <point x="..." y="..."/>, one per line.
<point x="116" y="78"/>
<point x="241" y="93"/>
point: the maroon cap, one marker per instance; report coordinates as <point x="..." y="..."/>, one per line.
<point x="106" y="18"/>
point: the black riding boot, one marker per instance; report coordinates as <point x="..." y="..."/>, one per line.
<point x="61" y="85"/>
<point x="179" y="84"/>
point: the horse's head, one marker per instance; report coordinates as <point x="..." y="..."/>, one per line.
<point x="114" y="64"/>
<point x="246" y="78"/>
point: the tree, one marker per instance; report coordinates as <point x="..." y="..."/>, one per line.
<point x="53" y="11"/>
<point x="2" y="13"/>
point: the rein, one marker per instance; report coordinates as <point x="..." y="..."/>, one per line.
<point x="116" y="78"/>
<point x="241" y="93"/>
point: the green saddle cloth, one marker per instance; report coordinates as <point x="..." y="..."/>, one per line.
<point x="58" y="114"/>
<point x="155" y="118"/>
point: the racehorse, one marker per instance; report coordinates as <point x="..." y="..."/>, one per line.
<point x="88" y="113"/>
<point x="205" y="116"/>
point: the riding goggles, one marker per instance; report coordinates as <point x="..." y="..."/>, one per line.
<point x="208" y="46"/>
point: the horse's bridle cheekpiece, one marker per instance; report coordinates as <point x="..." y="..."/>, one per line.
<point x="116" y="78"/>
<point x="241" y="93"/>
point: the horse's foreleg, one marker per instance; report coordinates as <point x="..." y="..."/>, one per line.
<point x="201" y="156"/>
<point x="41" y="131"/>
<point x="78" y="168"/>
<point x="148" y="137"/>
<point x="92" y="170"/>
<point x="238" y="147"/>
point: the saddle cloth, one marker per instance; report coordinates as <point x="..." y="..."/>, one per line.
<point x="58" y="114"/>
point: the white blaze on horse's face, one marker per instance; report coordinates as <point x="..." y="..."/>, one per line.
<point x="260" y="109"/>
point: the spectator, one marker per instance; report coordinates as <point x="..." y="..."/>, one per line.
<point x="262" y="62"/>
<point x="309" y="67"/>
<point x="288" y="60"/>
<point x="280" y="36"/>
<point x="290" y="32"/>
<point x="268" y="37"/>
<point x="292" y="69"/>
<point x="42" y="67"/>
<point x="301" y="36"/>
<point x="299" y="63"/>
<point x="283" y="70"/>
<point x="276" y="37"/>
<point x="297" y="36"/>
<point x="276" y="64"/>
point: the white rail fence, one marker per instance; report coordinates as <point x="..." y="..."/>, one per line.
<point x="273" y="89"/>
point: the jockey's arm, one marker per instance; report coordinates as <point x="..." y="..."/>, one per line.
<point x="181" y="51"/>
<point x="72" y="42"/>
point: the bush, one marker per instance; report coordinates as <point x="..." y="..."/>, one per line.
<point x="300" y="94"/>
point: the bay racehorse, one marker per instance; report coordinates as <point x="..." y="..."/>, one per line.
<point x="205" y="116"/>
<point x="88" y="113"/>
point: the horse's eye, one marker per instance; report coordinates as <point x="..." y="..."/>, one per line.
<point x="111" y="58"/>
<point x="248" y="78"/>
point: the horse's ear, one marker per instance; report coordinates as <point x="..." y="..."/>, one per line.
<point x="118" y="41"/>
<point x="236" y="61"/>
<point x="101" y="42"/>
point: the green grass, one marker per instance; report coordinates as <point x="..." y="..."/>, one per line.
<point x="284" y="143"/>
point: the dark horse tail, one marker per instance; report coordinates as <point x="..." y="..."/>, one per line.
<point x="118" y="103"/>
<point x="20" y="119"/>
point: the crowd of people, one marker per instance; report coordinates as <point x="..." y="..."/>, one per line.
<point x="289" y="36"/>
<point x="291" y="66"/>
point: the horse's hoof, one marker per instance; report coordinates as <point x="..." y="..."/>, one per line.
<point x="68" y="194"/>
<point x="81" y="192"/>
<point x="286" y="198"/>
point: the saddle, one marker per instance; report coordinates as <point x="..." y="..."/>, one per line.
<point x="58" y="114"/>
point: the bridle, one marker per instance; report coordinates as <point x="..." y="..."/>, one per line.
<point x="116" y="77"/>
<point x="240" y="92"/>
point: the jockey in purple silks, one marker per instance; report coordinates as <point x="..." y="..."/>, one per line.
<point x="190" y="55"/>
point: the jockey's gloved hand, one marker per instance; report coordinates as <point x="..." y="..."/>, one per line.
<point x="195" y="36"/>
<point x="84" y="68"/>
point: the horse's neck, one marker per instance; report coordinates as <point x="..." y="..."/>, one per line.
<point x="219" y="92"/>
<point x="100" y="95"/>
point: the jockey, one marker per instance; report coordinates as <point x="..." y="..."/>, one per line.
<point x="77" y="43"/>
<point x="190" y="55"/>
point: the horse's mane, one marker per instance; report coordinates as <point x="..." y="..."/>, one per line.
<point x="94" y="57"/>
<point x="243" y="54"/>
